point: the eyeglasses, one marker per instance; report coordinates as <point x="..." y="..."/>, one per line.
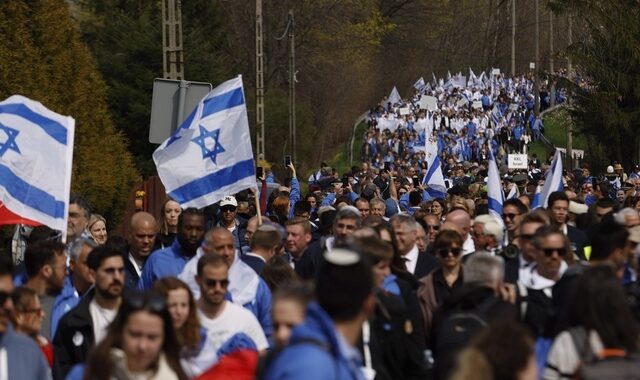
<point x="227" y="209"/>
<point x="434" y="227"/>
<point x="550" y="251"/>
<point x="212" y="283"/>
<point x="4" y="296"/>
<point x="138" y="301"/>
<point x="525" y="236"/>
<point x="509" y="216"/>
<point x="444" y="252"/>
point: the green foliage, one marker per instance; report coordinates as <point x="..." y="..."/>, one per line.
<point x="44" y="59"/>
<point x="609" y="56"/>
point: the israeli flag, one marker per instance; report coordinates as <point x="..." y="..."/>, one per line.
<point x="36" y="152"/>
<point x="536" y="197"/>
<point x="210" y="155"/>
<point x="494" y="188"/>
<point x="434" y="178"/>
<point x="420" y="85"/>
<point x="514" y="192"/>
<point x="553" y="180"/>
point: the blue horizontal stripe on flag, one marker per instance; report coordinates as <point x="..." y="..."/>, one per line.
<point x="433" y="193"/>
<point x="214" y="181"/>
<point x="222" y="102"/>
<point x="494" y="205"/>
<point x="49" y="126"/>
<point x="29" y="195"/>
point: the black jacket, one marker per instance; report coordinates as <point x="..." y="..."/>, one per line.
<point x="74" y="337"/>
<point x="131" y="277"/>
<point x="426" y="263"/>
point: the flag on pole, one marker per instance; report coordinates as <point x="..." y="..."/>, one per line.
<point x="535" y="203"/>
<point x="434" y="178"/>
<point x="553" y="180"/>
<point x="394" y="96"/>
<point x="420" y="85"/>
<point x="210" y="155"/>
<point x="36" y="152"/>
<point x="514" y="192"/>
<point x="494" y="188"/>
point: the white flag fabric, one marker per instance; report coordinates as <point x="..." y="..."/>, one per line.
<point x="494" y="188"/>
<point x="36" y="153"/>
<point x="394" y="96"/>
<point x="210" y="155"/>
<point x="434" y="178"/>
<point x="553" y="180"/>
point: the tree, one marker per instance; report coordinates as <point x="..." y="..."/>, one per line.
<point x="44" y="59"/>
<point x="608" y="56"/>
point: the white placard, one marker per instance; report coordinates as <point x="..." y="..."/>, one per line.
<point x="429" y="103"/>
<point x="462" y="103"/>
<point x="532" y="65"/>
<point x="495" y="71"/>
<point x="513" y="107"/>
<point x="404" y="111"/>
<point x="477" y="104"/>
<point x="518" y="161"/>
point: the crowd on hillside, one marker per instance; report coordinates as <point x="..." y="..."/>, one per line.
<point x="367" y="275"/>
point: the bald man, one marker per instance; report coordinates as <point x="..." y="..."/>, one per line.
<point x="142" y="237"/>
<point x="462" y="220"/>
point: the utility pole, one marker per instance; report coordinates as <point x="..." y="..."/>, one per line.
<point x="260" y="151"/>
<point x="513" y="38"/>
<point x="570" y="43"/>
<point x="552" y="88"/>
<point x="172" y="52"/>
<point x="536" y="83"/>
<point x="292" y="85"/>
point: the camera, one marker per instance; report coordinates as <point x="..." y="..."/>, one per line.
<point x="508" y="252"/>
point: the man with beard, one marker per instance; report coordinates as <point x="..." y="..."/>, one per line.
<point x="86" y="325"/>
<point x="223" y="319"/>
<point x="45" y="262"/>
<point x="142" y="237"/>
<point x="170" y="261"/>
<point x="245" y="287"/>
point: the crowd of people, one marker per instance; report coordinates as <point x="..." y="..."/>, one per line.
<point x="366" y="275"/>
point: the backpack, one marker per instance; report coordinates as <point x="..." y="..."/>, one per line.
<point x="456" y="330"/>
<point x="611" y="364"/>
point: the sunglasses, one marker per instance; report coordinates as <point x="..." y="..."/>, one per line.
<point x="509" y="216"/>
<point x="4" y="296"/>
<point x="525" y="236"/>
<point x="434" y="227"/>
<point x="139" y="301"/>
<point x="211" y="283"/>
<point x="550" y="251"/>
<point x="227" y="209"/>
<point x="444" y="252"/>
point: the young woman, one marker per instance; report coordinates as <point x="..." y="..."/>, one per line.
<point x="167" y="224"/>
<point x="438" y="285"/>
<point x="197" y="352"/>
<point x="140" y="343"/>
<point x="97" y="227"/>
<point x="27" y="319"/>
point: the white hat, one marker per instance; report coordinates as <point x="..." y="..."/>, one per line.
<point x="610" y="169"/>
<point x="229" y="200"/>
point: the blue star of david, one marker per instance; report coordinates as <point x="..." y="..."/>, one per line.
<point x="201" y="139"/>
<point x="11" y="140"/>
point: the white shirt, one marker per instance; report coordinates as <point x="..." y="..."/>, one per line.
<point x="468" y="246"/>
<point x="101" y="318"/>
<point x="411" y="259"/>
<point x="233" y="319"/>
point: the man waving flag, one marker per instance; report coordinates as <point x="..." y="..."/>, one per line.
<point x="36" y="152"/>
<point x="210" y="155"/>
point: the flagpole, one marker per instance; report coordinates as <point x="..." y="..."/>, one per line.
<point x="255" y="194"/>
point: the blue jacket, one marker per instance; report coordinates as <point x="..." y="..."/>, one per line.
<point x="326" y="359"/>
<point x="24" y="358"/>
<point x="66" y="300"/>
<point x="162" y="263"/>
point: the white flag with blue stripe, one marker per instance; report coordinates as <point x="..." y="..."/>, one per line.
<point x="36" y="153"/>
<point x="494" y="188"/>
<point x="210" y="155"/>
<point x="434" y="178"/>
<point x="553" y="180"/>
